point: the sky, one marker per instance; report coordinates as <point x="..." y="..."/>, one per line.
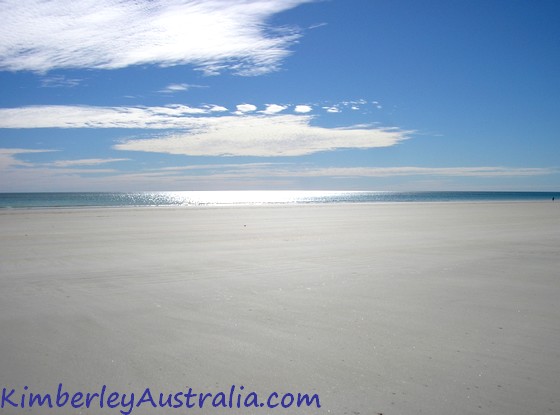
<point x="145" y="95"/>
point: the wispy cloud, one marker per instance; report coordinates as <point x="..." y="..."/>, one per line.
<point x="245" y="108"/>
<point x="317" y="25"/>
<point x="59" y="81"/>
<point x="8" y="157"/>
<point x="61" y="116"/>
<point x="173" y="88"/>
<point x="213" y="35"/>
<point x="9" y="160"/>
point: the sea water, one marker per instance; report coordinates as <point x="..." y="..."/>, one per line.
<point x="264" y="197"/>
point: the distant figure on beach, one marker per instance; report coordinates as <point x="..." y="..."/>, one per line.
<point x="553" y="198"/>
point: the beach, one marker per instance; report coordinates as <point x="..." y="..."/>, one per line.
<point x="389" y="308"/>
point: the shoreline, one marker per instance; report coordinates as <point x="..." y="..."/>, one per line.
<point x="186" y="199"/>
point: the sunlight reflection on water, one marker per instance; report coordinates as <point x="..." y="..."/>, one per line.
<point x="248" y="197"/>
<point x="251" y="197"/>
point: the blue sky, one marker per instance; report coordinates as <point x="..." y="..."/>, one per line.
<point x="279" y="94"/>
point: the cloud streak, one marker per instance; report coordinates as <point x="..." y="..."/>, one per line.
<point x="212" y="35"/>
<point x="286" y="170"/>
<point x="84" y="162"/>
<point x="490" y="171"/>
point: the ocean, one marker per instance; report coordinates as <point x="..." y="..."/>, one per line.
<point x="264" y="197"/>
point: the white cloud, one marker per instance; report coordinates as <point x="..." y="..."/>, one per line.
<point x="213" y="35"/>
<point x="332" y="109"/>
<point x="264" y="136"/>
<point x="303" y="109"/>
<point x="338" y="107"/>
<point x="244" y="108"/>
<point x="274" y="109"/>
<point x="215" y="108"/>
<point x="176" y="110"/>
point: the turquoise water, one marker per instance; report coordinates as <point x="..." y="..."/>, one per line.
<point x="217" y="198"/>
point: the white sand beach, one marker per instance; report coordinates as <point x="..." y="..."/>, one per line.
<point x="419" y="308"/>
